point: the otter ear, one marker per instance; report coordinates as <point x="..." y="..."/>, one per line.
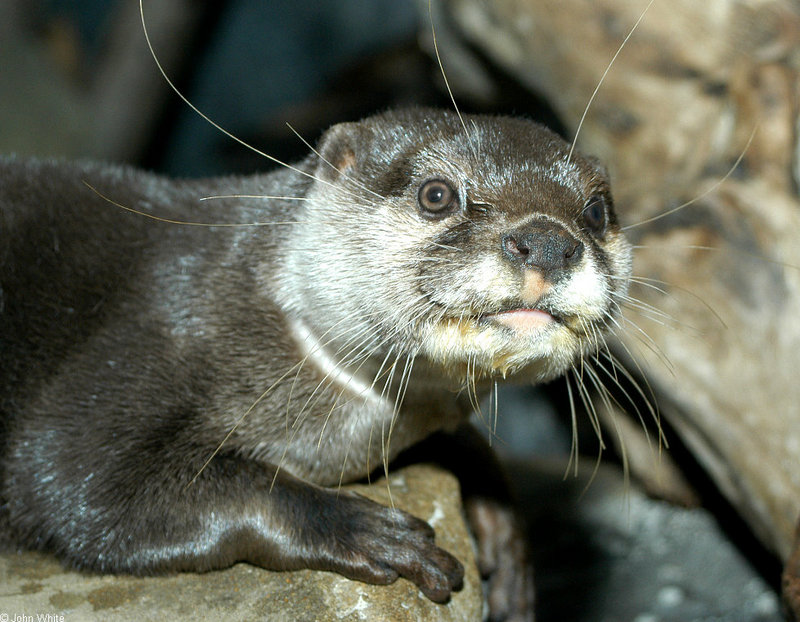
<point x="339" y="149"/>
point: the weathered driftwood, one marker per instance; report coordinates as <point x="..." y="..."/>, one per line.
<point x="675" y="112"/>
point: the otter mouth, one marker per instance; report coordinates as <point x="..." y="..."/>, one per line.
<point x="522" y="320"/>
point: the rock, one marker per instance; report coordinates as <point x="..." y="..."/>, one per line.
<point x="605" y="552"/>
<point x="37" y="584"/>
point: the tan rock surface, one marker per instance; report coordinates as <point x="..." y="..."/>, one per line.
<point x="36" y="584"/>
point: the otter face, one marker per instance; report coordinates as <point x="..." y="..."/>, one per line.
<point x="493" y="252"/>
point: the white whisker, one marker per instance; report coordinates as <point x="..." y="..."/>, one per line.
<point x="602" y="79"/>
<point x="704" y="194"/>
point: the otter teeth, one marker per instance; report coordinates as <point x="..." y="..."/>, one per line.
<point x="523" y="320"/>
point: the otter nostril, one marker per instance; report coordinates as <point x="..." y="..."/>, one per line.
<point x="511" y="245"/>
<point x="544" y="246"/>
<point x="574" y="253"/>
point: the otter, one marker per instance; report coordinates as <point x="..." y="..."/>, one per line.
<point x="392" y="275"/>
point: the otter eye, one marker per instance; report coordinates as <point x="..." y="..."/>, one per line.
<point x="594" y="214"/>
<point x="437" y="197"/>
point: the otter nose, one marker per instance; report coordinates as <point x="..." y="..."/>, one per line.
<point x="543" y="245"/>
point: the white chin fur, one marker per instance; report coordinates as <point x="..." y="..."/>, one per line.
<point x="526" y="341"/>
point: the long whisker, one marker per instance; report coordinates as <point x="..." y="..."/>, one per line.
<point x="494" y="408"/>
<point x="303" y="413"/>
<point x="330" y="164"/>
<point x="239" y="422"/>
<point x="405" y="380"/>
<point x="447" y="84"/>
<point x="291" y="431"/>
<point x="648" y="342"/>
<point x="185" y="222"/>
<point x="649" y="401"/>
<point x="594" y="417"/>
<point x="366" y="395"/>
<point x="649" y="282"/>
<point x="573" y="450"/>
<point x="317" y="393"/>
<point x="704" y="194"/>
<point x="603" y="77"/>
<point x="252" y="196"/>
<point x="206" y="117"/>
<point x="739" y="251"/>
<point x="360" y="353"/>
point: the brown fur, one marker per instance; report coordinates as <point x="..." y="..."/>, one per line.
<point x="131" y="348"/>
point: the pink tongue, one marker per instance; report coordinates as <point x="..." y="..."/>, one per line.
<point x="523" y="320"/>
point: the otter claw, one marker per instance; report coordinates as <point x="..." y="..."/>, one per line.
<point x="383" y="543"/>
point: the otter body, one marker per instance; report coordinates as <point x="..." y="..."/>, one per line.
<point x="413" y="260"/>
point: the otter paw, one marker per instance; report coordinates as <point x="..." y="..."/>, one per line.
<point x="377" y="544"/>
<point x="502" y="560"/>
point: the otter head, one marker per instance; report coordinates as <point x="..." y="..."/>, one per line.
<point x="485" y="249"/>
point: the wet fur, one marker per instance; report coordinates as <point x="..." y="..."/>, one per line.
<point x="318" y="349"/>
